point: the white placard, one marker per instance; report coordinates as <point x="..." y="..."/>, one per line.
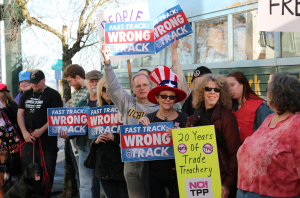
<point x="57" y="75"/>
<point x="278" y="15"/>
<point x="135" y="12"/>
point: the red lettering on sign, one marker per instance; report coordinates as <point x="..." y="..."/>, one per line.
<point x="105" y="119"/>
<point x="145" y="140"/>
<point x="129" y="36"/>
<point x="169" y="25"/>
<point x="66" y="120"/>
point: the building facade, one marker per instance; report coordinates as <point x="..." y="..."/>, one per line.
<point x="225" y="39"/>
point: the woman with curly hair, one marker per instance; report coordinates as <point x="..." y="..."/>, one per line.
<point x="249" y="109"/>
<point x="212" y="101"/>
<point x="269" y="160"/>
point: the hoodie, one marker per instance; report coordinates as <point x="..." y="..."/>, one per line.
<point x="130" y="107"/>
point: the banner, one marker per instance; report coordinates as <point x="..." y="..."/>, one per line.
<point x="72" y="120"/>
<point x="145" y="143"/>
<point x="135" y="12"/>
<point x="127" y="38"/>
<point x="197" y="163"/>
<point x="106" y="119"/>
<point x="278" y="16"/>
<point x="169" y="24"/>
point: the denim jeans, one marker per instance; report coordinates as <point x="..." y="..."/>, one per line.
<point x="247" y="194"/>
<point x="85" y="175"/>
<point x="50" y="154"/>
<point x="115" y="188"/>
<point x="96" y="186"/>
<point x="135" y="186"/>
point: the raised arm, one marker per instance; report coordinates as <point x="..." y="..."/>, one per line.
<point x="177" y="69"/>
<point x="115" y="91"/>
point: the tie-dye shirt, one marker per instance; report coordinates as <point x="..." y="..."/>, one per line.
<point x="269" y="160"/>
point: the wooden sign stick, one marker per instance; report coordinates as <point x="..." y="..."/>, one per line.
<point x="129" y="71"/>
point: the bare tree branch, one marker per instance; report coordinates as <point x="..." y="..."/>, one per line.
<point x="32" y="20"/>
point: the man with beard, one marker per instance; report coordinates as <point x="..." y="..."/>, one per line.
<point x="86" y="175"/>
<point x="75" y="75"/>
<point x="32" y="120"/>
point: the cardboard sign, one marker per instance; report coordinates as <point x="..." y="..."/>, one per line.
<point x="197" y="163"/>
<point x="279" y="16"/>
<point x="145" y="143"/>
<point x="106" y="119"/>
<point x="135" y="12"/>
<point x="169" y="24"/>
<point x="127" y="38"/>
<point x="72" y="120"/>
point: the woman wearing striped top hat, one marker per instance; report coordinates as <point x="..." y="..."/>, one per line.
<point x="160" y="174"/>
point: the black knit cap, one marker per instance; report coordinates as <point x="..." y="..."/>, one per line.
<point x="200" y="71"/>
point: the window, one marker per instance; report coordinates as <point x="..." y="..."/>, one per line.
<point x="250" y="44"/>
<point x="184" y="51"/>
<point x="212" y="40"/>
<point x="290" y="44"/>
<point x="153" y="60"/>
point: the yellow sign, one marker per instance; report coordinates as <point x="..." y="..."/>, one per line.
<point x="197" y="163"/>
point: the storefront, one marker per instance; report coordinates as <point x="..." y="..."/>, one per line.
<point x="225" y="39"/>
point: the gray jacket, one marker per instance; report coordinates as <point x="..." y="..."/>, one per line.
<point x="130" y="108"/>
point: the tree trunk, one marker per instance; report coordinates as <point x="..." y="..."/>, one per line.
<point x="67" y="60"/>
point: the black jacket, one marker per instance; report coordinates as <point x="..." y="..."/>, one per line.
<point x="11" y="112"/>
<point x="109" y="165"/>
<point x="146" y="169"/>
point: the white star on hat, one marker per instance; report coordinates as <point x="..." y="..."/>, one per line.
<point x="170" y="84"/>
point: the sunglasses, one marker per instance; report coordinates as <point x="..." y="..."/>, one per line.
<point x="104" y="89"/>
<point x="208" y="89"/>
<point x="165" y="97"/>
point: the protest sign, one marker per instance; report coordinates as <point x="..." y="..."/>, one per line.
<point x="169" y="24"/>
<point x="72" y="120"/>
<point x="145" y="143"/>
<point x="279" y="16"/>
<point x="135" y="12"/>
<point x="126" y="38"/>
<point x="197" y="163"/>
<point x="106" y="119"/>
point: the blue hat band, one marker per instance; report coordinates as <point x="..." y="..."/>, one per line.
<point x="168" y="83"/>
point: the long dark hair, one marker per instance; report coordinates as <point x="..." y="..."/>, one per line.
<point x="247" y="91"/>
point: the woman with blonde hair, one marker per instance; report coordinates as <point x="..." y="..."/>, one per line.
<point x="109" y="166"/>
<point x="212" y="101"/>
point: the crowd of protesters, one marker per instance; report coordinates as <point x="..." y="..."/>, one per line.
<point x="257" y="139"/>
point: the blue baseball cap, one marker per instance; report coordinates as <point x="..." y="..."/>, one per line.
<point x="24" y="75"/>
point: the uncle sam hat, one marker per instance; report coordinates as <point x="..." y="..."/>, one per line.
<point x="165" y="80"/>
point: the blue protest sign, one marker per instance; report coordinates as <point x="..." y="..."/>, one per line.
<point x="169" y="24"/>
<point x="145" y="143"/>
<point x="128" y="38"/>
<point x="106" y="119"/>
<point x="72" y="120"/>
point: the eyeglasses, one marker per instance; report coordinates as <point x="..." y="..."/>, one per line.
<point x="104" y="89"/>
<point x="208" y="89"/>
<point x="165" y="97"/>
<point x="140" y="86"/>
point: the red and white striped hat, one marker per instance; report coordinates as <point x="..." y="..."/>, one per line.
<point x="165" y="80"/>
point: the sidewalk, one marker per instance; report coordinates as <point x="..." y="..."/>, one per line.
<point x="57" y="188"/>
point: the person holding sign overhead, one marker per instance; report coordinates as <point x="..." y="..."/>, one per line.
<point x="212" y="101"/>
<point x="269" y="160"/>
<point x="132" y="109"/>
<point x="109" y="166"/>
<point x="158" y="175"/>
<point x="249" y="109"/>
